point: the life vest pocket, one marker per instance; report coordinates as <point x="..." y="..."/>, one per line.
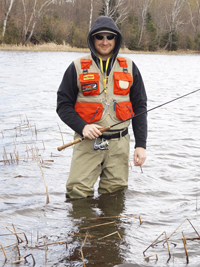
<point x="124" y="110"/>
<point x="89" y="84"/>
<point x="89" y="112"/>
<point x="122" y="83"/>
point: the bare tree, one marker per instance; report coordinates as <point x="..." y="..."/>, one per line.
<point x="6" y="17"/>
<point x="158" y="13"/>
<point x="198" y="17"/>
<point x="196" y="26"/>
<point x="69" y="20"/>
<point x="91" y="12"/>
<point x="174" y="19"/>
<point x="38" y="8"/>
<point x="118" y="10"/>
<point x="145" y="6"/>
<point x="191" y="14"/>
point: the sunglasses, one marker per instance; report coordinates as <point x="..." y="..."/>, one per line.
<point x="101" y="37"/>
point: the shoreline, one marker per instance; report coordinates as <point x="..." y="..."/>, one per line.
<point x="52" y="47"/>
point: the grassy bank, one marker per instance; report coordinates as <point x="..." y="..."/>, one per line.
<point x="42" y="47"/>
<point x="67" y="48"/>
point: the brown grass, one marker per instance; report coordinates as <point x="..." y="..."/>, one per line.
<point x="67" y="48"/>
<point x="42" y="47"/>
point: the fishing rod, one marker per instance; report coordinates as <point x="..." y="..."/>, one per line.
<point x="104" y="129"/>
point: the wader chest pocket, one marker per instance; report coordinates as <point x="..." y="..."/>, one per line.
<point x="89" y="84"/>
<point x="122" y="83"/>
<point x="124" y="110"/>
<point x="89" y="112"/>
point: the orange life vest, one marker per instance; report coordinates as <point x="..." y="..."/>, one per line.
<point x="96" y="105"/>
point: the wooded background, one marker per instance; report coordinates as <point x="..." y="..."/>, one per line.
<point x="144" y="24"/>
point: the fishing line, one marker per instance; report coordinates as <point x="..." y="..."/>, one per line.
<point x="156" y="107"/>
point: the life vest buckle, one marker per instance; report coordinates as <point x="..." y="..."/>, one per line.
<point x="85" y="71"/>
<point x="125" y="70"/>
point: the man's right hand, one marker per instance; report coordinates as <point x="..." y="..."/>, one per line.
<point x="91" y="131"/>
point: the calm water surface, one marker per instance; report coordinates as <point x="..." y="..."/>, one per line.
<point x="164" y="194"/>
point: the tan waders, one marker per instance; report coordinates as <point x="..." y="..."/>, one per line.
<point x="112" y="166"/>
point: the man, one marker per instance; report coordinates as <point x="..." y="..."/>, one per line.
<point x="100" y="90"/>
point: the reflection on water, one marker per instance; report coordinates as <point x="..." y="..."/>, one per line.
<point x="164" y="194"/>
<point x="88" y="213"/>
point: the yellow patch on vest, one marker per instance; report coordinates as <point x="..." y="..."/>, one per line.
<point x="88" y="77"/>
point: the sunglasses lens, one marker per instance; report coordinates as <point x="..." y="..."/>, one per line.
<point x="99" y="37"/>
<point x="108" y="37"/>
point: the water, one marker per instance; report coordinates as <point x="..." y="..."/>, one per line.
<point x="164" y="194"/>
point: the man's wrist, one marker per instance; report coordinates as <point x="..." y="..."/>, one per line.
<point x="140" y="144"/>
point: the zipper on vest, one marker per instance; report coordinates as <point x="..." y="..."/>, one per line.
<point x="115" y="103"/>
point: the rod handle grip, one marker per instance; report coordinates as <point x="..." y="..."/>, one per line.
<point x="71" y="143"/>
<point x="102" y="130"/>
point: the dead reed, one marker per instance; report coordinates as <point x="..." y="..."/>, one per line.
<point x="146" y="258"/>
<point x="61" y="134"/>
<point x="40" y="166"/>
<point x="185" y="247"/>
<point x="25" y="260"/>
<point x="25" y="136"/>
<point x="24" y="129"/>
<point x="44" y="245"/>
<point x="117" y="217"/>
<point x="21" y="246"/>
<point x="116" y="232"/>
<point x="98" y="225"/>
<point x="81" y="250"/>
<point x="2" y="248"/>
<point x="17" y="236"/>
<point x="174" y="233"/>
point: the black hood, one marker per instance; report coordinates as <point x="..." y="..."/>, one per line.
<point x="104" y="22"/>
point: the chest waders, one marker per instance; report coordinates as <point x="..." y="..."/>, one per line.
<point x="103" y="101"/>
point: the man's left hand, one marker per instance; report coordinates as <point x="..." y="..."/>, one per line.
<point x="139" y="156"/>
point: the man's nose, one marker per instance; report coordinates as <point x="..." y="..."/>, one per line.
<point x="105" y="41"/>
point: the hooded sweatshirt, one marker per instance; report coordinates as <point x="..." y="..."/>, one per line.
<point x="68" y="90"/>
<point x="104" y="23"/>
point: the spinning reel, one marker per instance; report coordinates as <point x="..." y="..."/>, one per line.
<point x="102" y="145"/>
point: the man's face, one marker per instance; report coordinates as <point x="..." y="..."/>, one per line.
<point x="104" y="48"/>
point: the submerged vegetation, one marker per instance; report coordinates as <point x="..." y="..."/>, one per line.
<point x="85" y="239"/>
<point x="146" y="25"/>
